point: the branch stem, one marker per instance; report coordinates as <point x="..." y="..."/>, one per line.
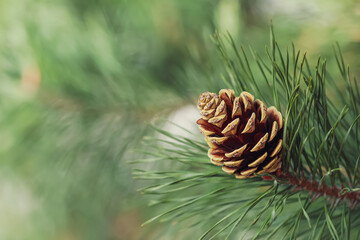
<point x="317" y="189"/>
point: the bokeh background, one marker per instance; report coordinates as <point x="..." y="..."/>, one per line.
<point x="80" y="82"/>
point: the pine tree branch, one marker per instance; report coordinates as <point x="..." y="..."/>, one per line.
<point x="319" y="189"/>
<point x="320" y="137"/>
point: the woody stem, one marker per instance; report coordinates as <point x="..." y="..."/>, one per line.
<point x="320" y="189"/>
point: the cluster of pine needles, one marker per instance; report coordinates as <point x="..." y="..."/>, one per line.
<point x="320" y="152"/>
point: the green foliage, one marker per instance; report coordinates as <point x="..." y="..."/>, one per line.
<point x="321" y="143"/>
<point x="80" y="80"/>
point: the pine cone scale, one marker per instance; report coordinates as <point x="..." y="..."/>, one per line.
<point x="231" y="128"/>
<point x="243" y="135"/>
<point x="260" y="144"/>
<point x="259" y="160"/>
<point x="233" y="164"/>
<point x="237" y="152"/>
<point x="277" y="149"/>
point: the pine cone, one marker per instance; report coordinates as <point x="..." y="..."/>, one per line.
<point x="244" y="136"/>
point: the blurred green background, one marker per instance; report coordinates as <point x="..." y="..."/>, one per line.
<point x="81" y="81"/>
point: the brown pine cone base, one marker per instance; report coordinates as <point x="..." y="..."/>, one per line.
<point x="244" y="136"/>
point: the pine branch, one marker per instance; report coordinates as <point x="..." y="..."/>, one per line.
<point x="320" y="189"/>
<point x="320" y="156"/>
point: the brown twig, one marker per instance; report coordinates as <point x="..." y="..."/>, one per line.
<point x="317" y="189"/>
